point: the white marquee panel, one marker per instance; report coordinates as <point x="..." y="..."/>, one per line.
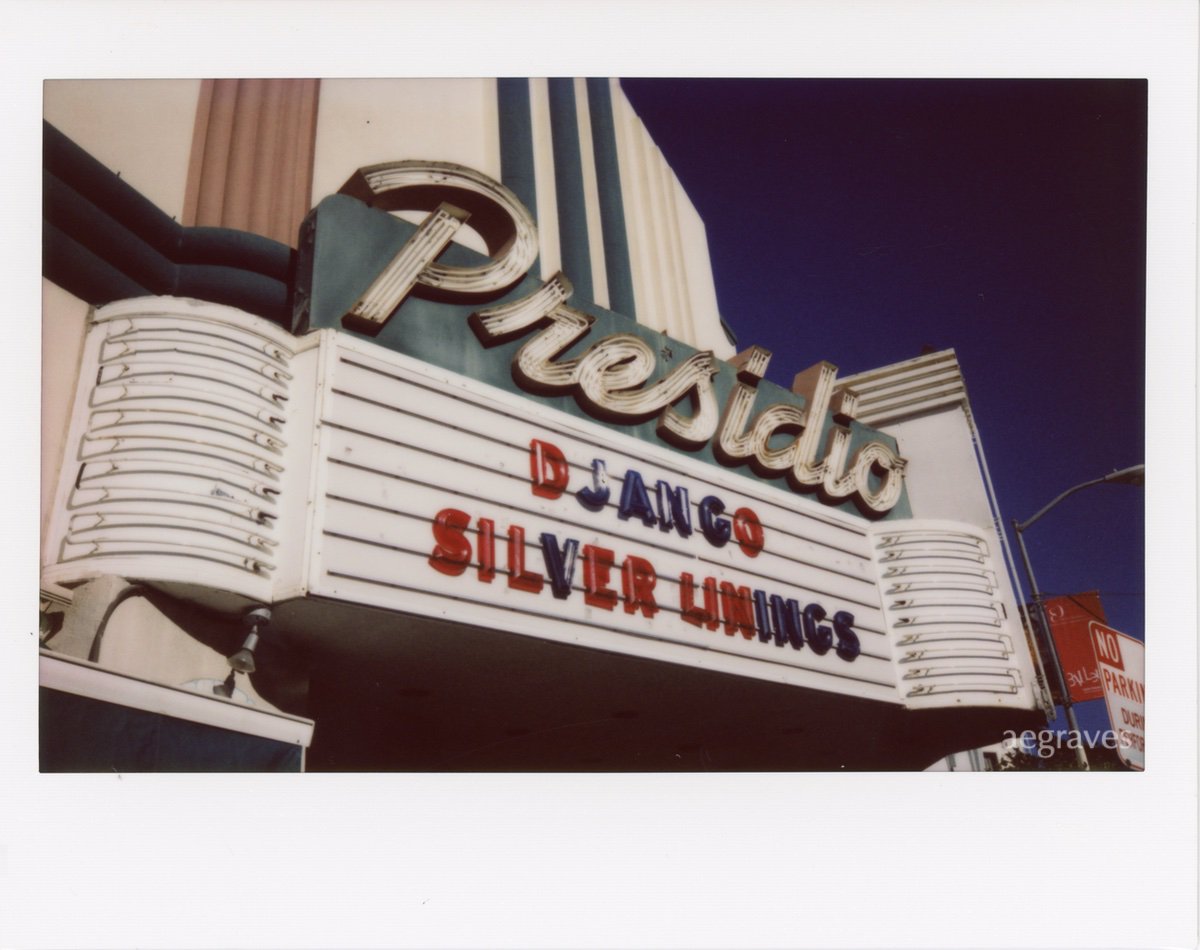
<point x="399" y="447"/>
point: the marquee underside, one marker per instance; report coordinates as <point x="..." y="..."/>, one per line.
<point x="397" y="692"/>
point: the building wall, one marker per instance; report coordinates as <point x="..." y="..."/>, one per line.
<point x="672" y="274"/>
<point x="367" y="121"/>
<point x="140" y="128"/>
<point x="944" y="479"/>
<point x="923" y="402"/>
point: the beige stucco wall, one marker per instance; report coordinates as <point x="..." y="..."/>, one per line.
<point x="141" y="128"/>
<point x="367" y="121"/>
<point x="703" y="318"/>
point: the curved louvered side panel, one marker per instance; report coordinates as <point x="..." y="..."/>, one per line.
<point x="176" y="451"/>
<point x="953" y="638"/>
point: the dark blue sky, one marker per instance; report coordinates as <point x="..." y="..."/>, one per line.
<point x="860" y="220"/>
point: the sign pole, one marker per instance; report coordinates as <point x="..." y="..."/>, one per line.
<point x="1134" y="475"/>
<point x="1040" y="609"/>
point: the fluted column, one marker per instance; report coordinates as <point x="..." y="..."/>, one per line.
<point x="252" y="156"/>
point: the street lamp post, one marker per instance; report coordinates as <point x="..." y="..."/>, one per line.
<point x="1127" y="476"/>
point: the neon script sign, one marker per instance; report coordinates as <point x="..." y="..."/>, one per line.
<point x="613" y="378"/>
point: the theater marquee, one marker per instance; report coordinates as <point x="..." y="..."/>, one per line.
<point x="516" y="464"/>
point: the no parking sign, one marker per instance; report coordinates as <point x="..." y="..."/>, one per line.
<point x="1122" y="664"/>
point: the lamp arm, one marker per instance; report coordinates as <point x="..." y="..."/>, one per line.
<point x="1070" y="491"/>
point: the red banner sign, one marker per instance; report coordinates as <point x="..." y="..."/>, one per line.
<point x="1069" y="618"/>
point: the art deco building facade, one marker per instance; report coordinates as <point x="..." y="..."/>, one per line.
<point x="397" y="421"/>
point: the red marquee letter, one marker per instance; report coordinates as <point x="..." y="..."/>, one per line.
<point x="518" y="577"/>
<point x="597" y="562"/>
<point x="748" y="531"/>
<point x="548" y="471"/>
<point x="737" y="605"/>
<point x="637" y="583"/>
<point x="691" y="613"/>
<point x="487" y="549"/>
<point x="452" y="551"/>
